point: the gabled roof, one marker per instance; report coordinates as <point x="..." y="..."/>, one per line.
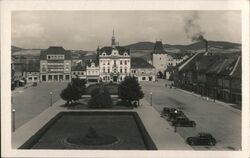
<point x="32" y="67"/>
<point x="237" y="71"/>
<point x="78" y="67"/>
<point x="108" y="50"/>
<point x="140" y="63"/>
<point x="55" y="50"/>
<point x="158" y="48"/>
<point x="96" y="62"/>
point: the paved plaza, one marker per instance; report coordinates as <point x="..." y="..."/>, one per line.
<point x="33" y="110"/>
<point x="219" y="119"/>
<point x="31" y="101"/>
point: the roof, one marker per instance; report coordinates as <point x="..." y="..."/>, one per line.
<point x="33" y="67"/>
<point x="88" y="62"/>
<point x="108" y="50"/>
<point x="137" y="63"/>
<point x="237" y="71"/>
<point x="78" y="67"/>
<point x="55" y="50"/>
<point x="159" y="49"/>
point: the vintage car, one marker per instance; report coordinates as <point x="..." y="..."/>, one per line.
<point x="183" y="122"/>
<point x="201" y="139"/>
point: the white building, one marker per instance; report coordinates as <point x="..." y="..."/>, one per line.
<point x="114" y="62"/>
<point x="161" y="59"/>
<point x="142" y="70"/>
<point x="93" y="71"/>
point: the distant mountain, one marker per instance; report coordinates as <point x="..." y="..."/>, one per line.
<point x="141" y="46"/>
<point x="15" y="49"/>
<point x="214" y="46"/>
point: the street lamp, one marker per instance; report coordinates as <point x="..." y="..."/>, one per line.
<point x="151" y="98"/>
<point x="50" y="98"/>
<point x="13" y="120"/>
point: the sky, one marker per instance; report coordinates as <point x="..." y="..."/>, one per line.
<point x="87" y="30"/>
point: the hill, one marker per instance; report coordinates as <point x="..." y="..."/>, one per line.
<point x="214" y="46"/>
<point x="141" y="46"/>
<point x="15" y="49"/>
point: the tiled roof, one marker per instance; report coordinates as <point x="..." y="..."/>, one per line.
<point x="56" y="51"/>
<point x="88" y="62"/>
<point x="108" y="50"/>
<point x="159" y="49"/>
<point x="32" y="67"/>
<point x="137" y="63"/>
<point x="237" y="72"/>
<point x="78" y="67"/>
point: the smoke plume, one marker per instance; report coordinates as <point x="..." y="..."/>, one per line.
<point x="192" y="28"/>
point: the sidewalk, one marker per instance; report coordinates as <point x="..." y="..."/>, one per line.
<point x="161" y="132"/>
<point x="23" y="133"/>
<point x="228" y="105"/>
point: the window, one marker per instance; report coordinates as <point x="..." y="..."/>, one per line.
<point x="103" y="70"/>
<point x="30" y="78"/>
<point x="160" y="58"/>
<point x="120" y="62"/>
<point x="108" y="70"/>
<point x="125" y="54"/>
<point x="143" y="78"/>
<point x="67" y="77"/>
<point x="104" y="54"/>
<point x="125" y="62"/>
<point x="125" y="70"/>
<point x="120" y="70"/>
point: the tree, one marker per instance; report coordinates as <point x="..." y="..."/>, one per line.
<point x="100" y="98"/>
<point x="70" y="93"/>
<point x="130" y="90"/>
<point x="80" y="84"/>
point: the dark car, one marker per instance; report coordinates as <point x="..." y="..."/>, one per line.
<point x="166" y="111"/>
<point x="201" y="139"/>
<point x="183" y="122"/>
<point x="173" y="115"/>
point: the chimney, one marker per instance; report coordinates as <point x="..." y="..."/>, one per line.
<point x="206" y="45"/>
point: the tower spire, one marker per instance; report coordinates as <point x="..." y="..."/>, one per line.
<point x="113" y="39"/>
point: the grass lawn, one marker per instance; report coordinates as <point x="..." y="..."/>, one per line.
<point x="83" y="104"/>
<point x="125" y="126"/>
<point x="112" y="88"/>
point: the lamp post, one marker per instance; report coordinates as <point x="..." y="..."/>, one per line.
<point x="13" y="120"/>
<point x="151" y="98"/>
<point x="50" y="98"/>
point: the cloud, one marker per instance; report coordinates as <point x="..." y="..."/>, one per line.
<point x="28" y="31"/>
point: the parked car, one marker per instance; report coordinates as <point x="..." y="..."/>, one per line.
<point x="183" y="122"/>
<point x="166" y="111"/>
<point x="201" y="139"/>
<point x="34" y="84"/>
<point x="173" y="115"/>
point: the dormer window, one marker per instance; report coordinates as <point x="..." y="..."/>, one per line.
<point x="92" y="64"/>
<point x="125" y="54"/>
<point x="104" y="54"/>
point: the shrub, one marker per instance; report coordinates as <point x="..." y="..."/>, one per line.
<point x="70" y="94"/>
<point x="100" y="98"/>
<point x="130" y="90"/>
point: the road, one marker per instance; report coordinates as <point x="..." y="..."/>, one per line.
<point x="224" y="123"/>
<point x="31" y="101"/>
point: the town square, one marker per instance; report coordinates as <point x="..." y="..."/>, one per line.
<point x="104" y="80"/>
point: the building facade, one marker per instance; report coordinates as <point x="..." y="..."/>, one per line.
<point x="55" y="65"/>
<point x="162" y="60"/>
<point x="142" y="70"/>
<point x="114" y="62"/>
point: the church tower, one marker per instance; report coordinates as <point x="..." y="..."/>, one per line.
<point x="113" y="43"/>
